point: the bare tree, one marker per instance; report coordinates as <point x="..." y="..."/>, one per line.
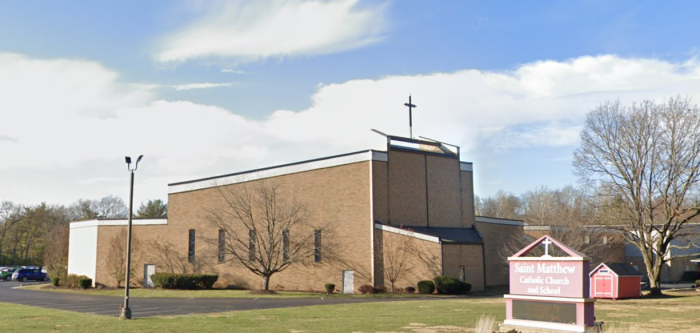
<point x="109" y="207"/>
<point x="56" y="250"/>
<point x="501" y="205"/>
<point x="172" y="259"/>
<point x="646" y="157"/>
<point x="116" y="260"/>
<point x="567" y="206"/>
<point x="596" y="242"/>
<point x="264" y="230"/>
<point x="397" y="251"/>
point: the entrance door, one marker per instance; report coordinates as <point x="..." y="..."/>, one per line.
<point x="148" y="270"/>
<point x="347" y="282"/>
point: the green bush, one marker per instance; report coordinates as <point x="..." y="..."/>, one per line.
<point x="465" y="288"/>
<point x="55" y="281"/>
<point x="330" y="288"/>
<point x="426" y="287"/>
<point x="84" y="283"/>
<point x="447" y="285"/>
<point x="184" y="281"/>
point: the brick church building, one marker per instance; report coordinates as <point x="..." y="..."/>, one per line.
<point x="416" y="189"/>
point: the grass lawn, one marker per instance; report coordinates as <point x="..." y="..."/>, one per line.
<point x="150" y="292"/>
<point x="677" y="313"/>
<point x="448" y="315"/>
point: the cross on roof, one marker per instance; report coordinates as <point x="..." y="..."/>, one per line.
<point x="410" y="115"/>
<point x="546" y="243"/>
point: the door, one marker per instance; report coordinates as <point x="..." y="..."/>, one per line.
<point x="347" y="282"/>
<point x="148" y="270"/>
<point x="603" y="286"/>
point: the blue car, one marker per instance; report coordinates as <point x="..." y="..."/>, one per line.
<point x="25" y="274"/>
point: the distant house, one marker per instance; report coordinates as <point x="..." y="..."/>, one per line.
<point x="416" y="188"/>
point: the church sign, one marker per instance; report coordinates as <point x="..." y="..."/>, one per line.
<point x="549" y="292"/>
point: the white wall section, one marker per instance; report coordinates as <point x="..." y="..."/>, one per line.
<point x="82" y="251"/>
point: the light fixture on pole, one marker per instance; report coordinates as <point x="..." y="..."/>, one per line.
<point x="126" y="311"/>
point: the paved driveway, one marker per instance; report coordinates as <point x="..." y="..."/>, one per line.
<point x="151" y="307"/>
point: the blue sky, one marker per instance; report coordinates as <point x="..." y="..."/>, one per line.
<point x="212" y="87"/>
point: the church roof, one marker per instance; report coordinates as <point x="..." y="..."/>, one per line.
<point x="451" y="235"/>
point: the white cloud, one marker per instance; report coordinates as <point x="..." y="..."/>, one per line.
<point x="206" y="85"/>
<point x="72" y="122"/>
<point x="254" y="30"/>
<point x="232" y="71"/>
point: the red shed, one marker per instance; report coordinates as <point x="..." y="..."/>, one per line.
<point x="615" y="281"/>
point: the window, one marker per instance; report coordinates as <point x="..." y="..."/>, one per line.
<point x="251" y="245"/>
<point x="190" y="248"/>
<point x="285" y="245"/>
<point x="605" y="239"/>
<point x="586" y="239"/>
<point x="317" y="246"/>
<point x="462" y="273"/>
<point x="222" y="245"/>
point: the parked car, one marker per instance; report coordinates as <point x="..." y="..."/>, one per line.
<point x="6" y="274"/>
<point x="24" y="274"/>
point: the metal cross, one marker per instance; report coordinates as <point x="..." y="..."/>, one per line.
<point x="410" y="115"/>
<point x="546" y="243"/>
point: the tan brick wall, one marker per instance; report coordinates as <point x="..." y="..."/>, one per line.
<point x="444" y="192"/>
<point x="380" y="191"/>
<point x="471" y="257"/>
<point x="143" y="236"/>
<point x="496" y="236"/>
<point x="339" y="195"/>
<point x="407" y="201"/>
<point x="424" y="190"/>
<point x="467" y="188"/>
<point x="423" y="264"/>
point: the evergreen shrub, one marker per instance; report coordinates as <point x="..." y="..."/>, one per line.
<point x="184" y="281"/>
<point x="426" y="287"/>
<point x="330" y="288"/>
<point x="448" y="285"/>
<point x="84" y="283"/>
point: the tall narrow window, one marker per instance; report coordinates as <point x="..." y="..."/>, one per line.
<point x="285" y="245"/>
<point x="462" y="273"/>
<point x="317" y="245"/>
<point x="586" y="239"/>
<point x="190" y="247"/>
<point x="222" y="245"/>
<point x="251" y="245"/>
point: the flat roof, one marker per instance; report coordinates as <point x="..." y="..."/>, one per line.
<point x="124" y="222"/>
<point x="496" y="220"/>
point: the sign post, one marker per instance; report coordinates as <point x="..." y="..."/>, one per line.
<point x="547" y="293"/>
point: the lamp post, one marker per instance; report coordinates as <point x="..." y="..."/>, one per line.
<point x="126" y="311"/>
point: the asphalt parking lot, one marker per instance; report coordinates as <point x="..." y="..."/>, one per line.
<point x="153" y="307"/>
